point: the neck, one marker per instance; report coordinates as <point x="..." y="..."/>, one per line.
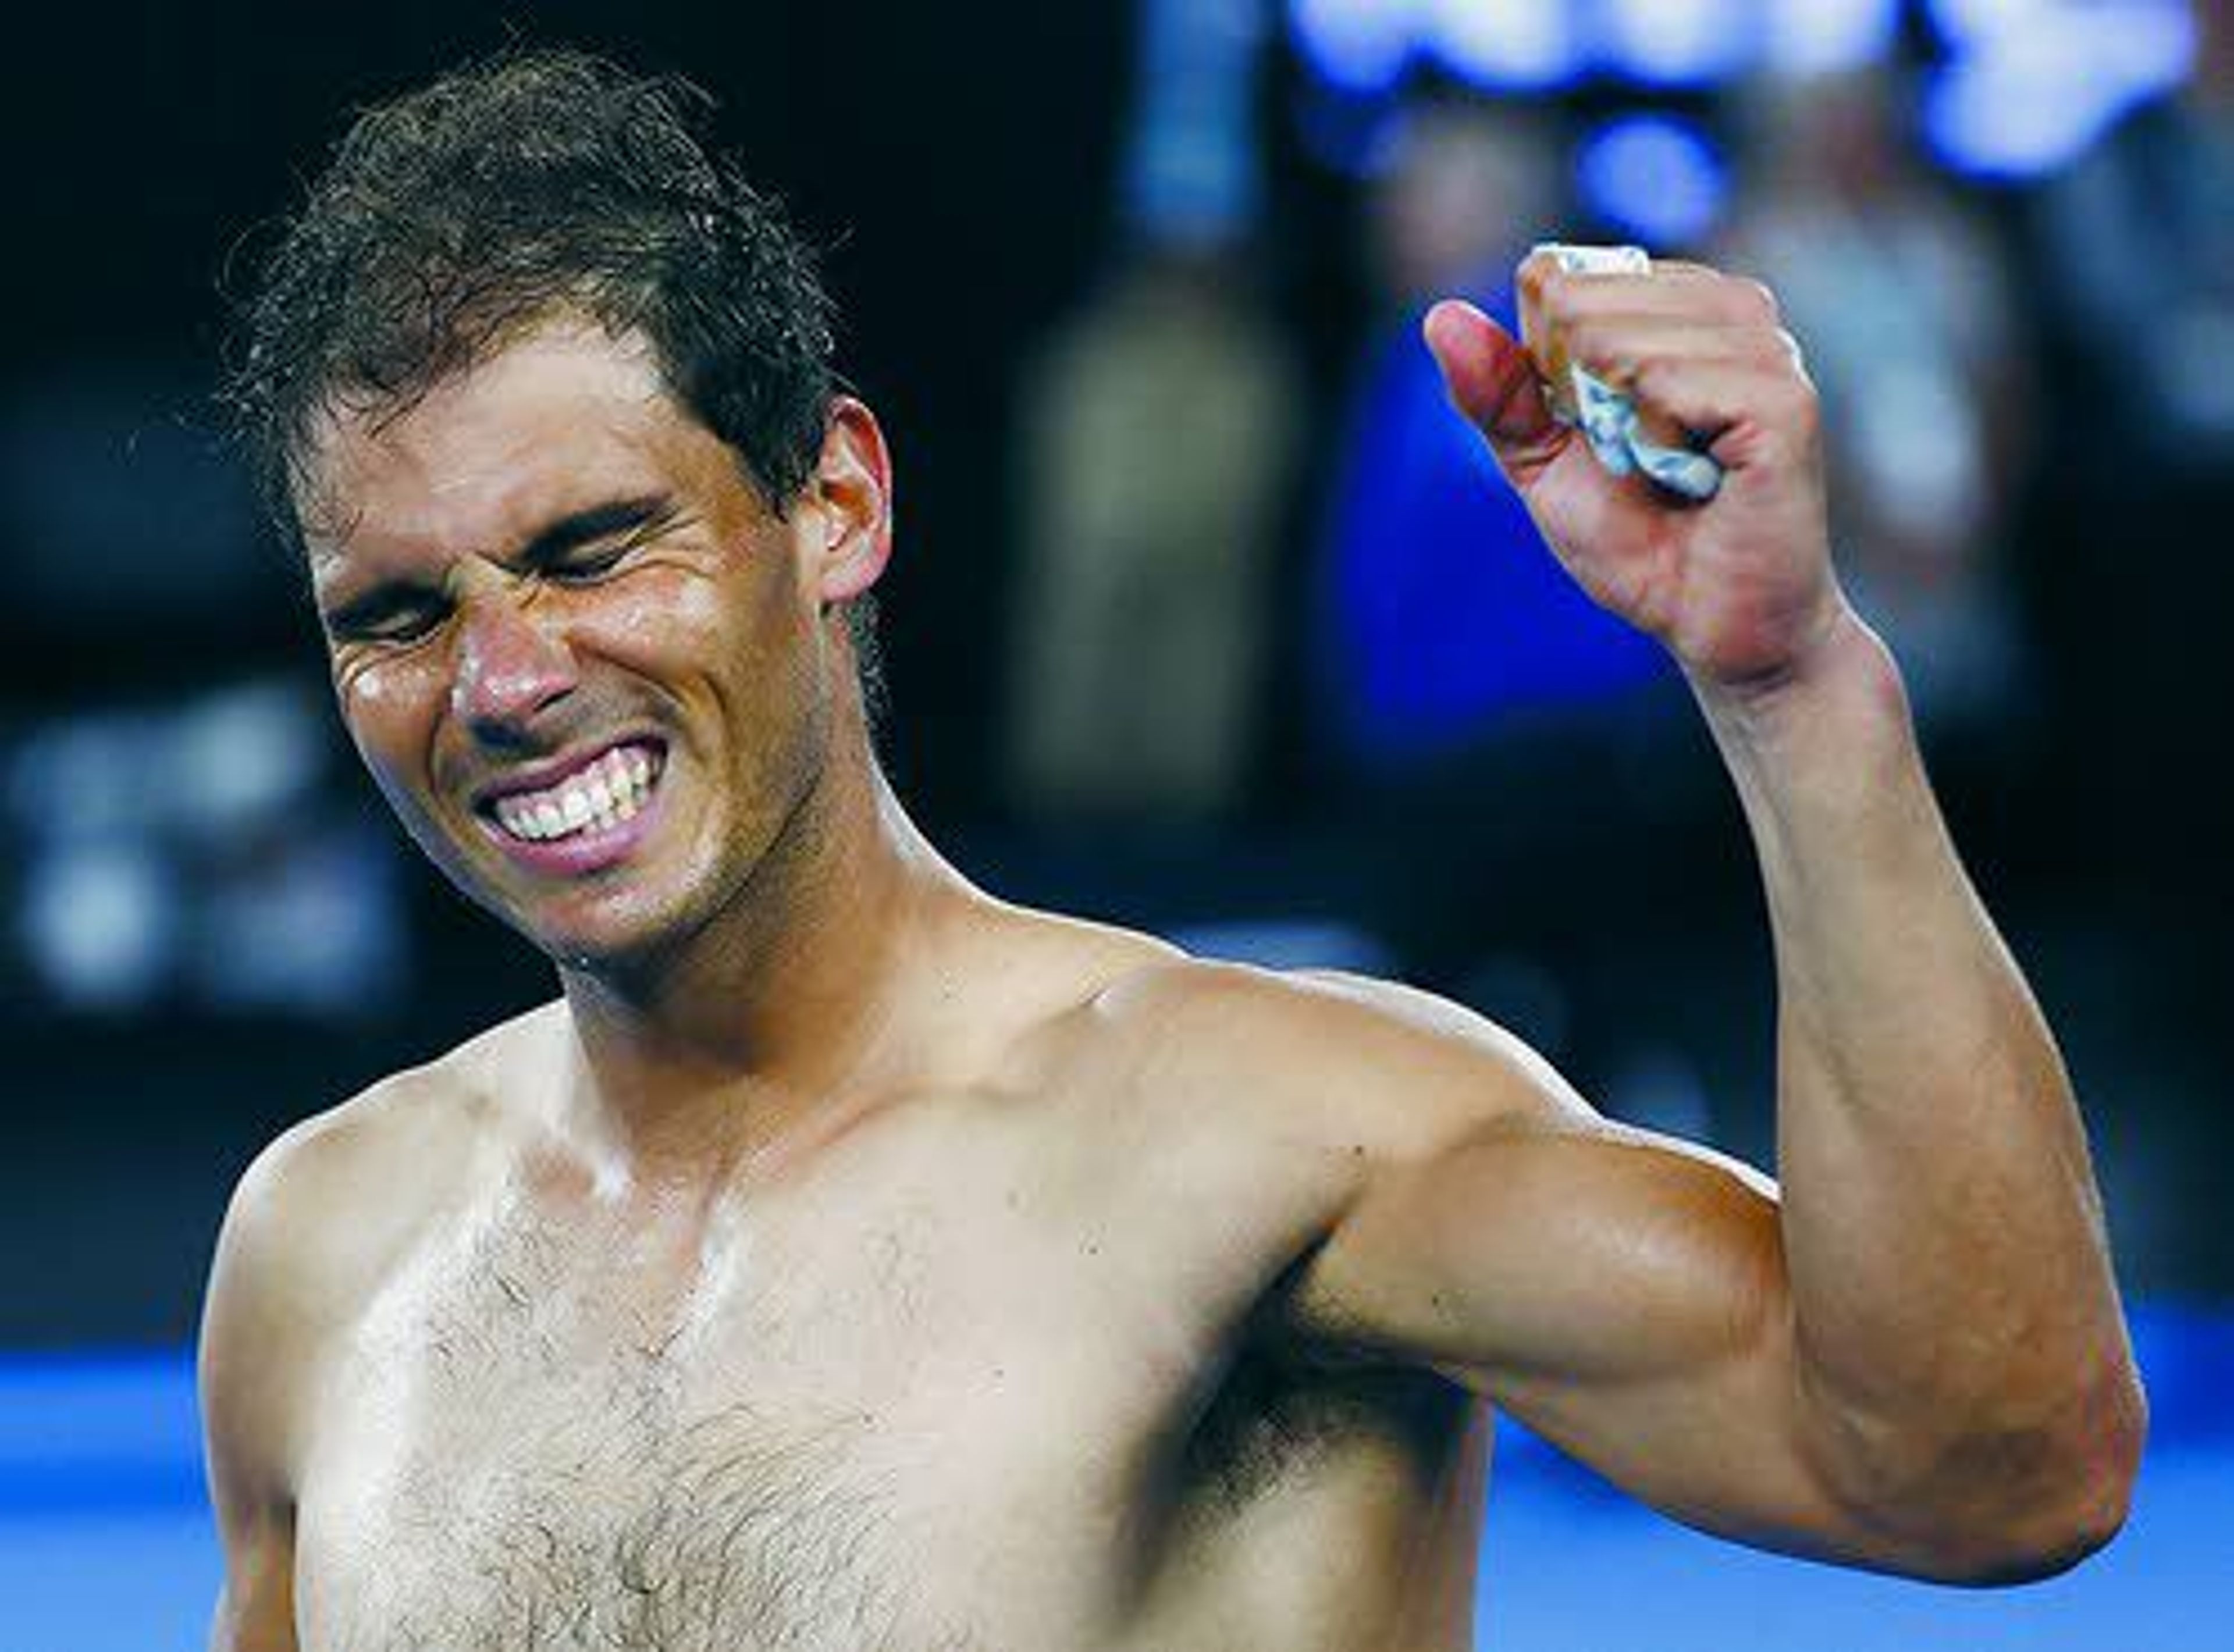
<point x="764" y="1030"/>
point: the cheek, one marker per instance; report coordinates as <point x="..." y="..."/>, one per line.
<point x="385" y="707"/>
<point x="671" y="615"/>
<point x="669" y="621"/>
<point x="366" y="692"/>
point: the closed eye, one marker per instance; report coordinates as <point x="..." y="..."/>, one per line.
<point x="579" y="549"/>
<point x="591" y="544"/>
<point x="589" y="563"/>
<point x="393" y="614"/>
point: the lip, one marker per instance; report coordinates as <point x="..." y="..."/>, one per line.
<point x="593" y="849"/>
<point x="539" y="777"/>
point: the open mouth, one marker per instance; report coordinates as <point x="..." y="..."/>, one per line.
<point x="597" y="797"/>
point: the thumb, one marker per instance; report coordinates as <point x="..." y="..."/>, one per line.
<point x="1492" y="380"/>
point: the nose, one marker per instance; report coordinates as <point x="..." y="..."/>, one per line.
<point x="511" y="667"/>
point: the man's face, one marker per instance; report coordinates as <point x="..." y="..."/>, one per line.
<point x="584" y="660"/>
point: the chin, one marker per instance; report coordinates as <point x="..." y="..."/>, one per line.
<point x="630" y="935"/>
<point x="602" y="944"/>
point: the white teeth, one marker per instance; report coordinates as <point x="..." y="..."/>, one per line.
<point x="603" y="793"/>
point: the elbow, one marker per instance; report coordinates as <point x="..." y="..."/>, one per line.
<point x="2029" y="1550"/>
<point x="2045" y="1501"/>
<point x="2093" y="1495"/>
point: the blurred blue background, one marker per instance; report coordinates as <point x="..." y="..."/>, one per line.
<point x="1206" y="616"/>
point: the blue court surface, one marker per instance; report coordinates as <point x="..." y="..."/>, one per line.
<point x="106" y="1546"/>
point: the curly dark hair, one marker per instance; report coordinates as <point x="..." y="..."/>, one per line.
<point x="536" y="182"/>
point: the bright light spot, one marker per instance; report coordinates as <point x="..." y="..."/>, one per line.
<point x="1966" y="23"/>
<point x="2028" y="102"/>
<point x="1807" y="38"/>
<point x="100" y="923"/>
<point x="1505" y="45"/>
<point x="1676" y="42"/>
<point x="1361" y="46"/>
<point x="1655" y="179"/>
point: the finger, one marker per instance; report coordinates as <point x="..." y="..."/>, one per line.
<point x="1492" y="381"/>
<point x="1615" y="349"/>
<point x="1549" y="262"/>
<point x="1679" y="290"/>
<point x="1603" y="337"/>
<point x="1748" y="413"/>
<point x="1546" y="264"/>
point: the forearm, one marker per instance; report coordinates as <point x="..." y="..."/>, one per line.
<point x="1952" y="1291"/>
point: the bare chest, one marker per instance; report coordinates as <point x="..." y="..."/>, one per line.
<point x="882" y="1433"/>
<point x="627" y="1521"/>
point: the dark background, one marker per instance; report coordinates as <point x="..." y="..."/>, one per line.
<point x="958" y="164"/>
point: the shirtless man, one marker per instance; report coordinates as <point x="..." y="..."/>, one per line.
<point x="848" y="1260"/>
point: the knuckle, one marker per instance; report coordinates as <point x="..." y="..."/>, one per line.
<point x="1757" y="303"/>
<point x="1772" y="349"/>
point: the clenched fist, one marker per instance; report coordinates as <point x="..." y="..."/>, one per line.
<point x="1739" y="588"/>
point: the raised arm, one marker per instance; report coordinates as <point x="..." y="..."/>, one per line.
<point x="1916" y="1360"/>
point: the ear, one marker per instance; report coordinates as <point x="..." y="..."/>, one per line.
<point x="852" y="486"/>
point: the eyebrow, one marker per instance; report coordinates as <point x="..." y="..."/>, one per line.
<point x="549" y="544"/>
<point x="594" y="522"/>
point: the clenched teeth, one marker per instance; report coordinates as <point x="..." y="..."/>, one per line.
<point x="603" y="795"/>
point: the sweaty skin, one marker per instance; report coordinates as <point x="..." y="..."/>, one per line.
<point x="850" y="1260"/>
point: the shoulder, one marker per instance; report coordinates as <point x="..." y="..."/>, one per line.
<point x="1274" y="1109"/>
<point x="331" y="1194"/>
<point x="320" y="1216"/>
<point x="1324" y="1060"/>
<point x="1192" y="1047"/>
